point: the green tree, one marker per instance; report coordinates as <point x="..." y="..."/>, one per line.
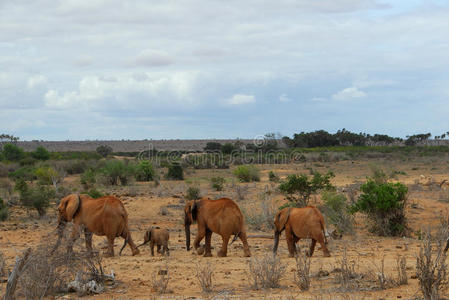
<point x="145" y="171"/>
<point x="12" y="152"/>
<point x="212" y="146"/>
<point x="247" y="173"/>
<point x="41" y="153"/>
<point x="175" y="172"/>
<point x="36" y="197"/>
<point x="117" y="172"/>
<point x="104" y="150"/>
<point x="298" y="188"/>
<point x="227" y="148"/>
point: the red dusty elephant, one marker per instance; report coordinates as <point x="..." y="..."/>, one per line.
<point x="221" y="216"/>
<point x="305" y="222"/>
<point x="105" y="216"/>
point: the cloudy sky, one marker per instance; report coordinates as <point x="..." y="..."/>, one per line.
<point x="106" y="69"/>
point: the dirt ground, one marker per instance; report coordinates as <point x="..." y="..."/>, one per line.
<point x="162" y="205"/>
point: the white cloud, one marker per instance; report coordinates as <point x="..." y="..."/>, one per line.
<point x="240" y="99"/>
<point x="284" y="98"/>
<point x="35" y="81"/>
<point x="149" y="58"/>
<point x="349" y="93"/>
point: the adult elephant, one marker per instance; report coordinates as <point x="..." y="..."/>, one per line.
<point x="221" y="216"/>
<point x="105" y="216"/>
<point x="305" y="222"/>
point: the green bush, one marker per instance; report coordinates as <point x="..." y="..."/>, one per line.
<point x="298" y="188"/>
<point x="36" y="197"/>
<point x="217" y="183"/>
<point x="94" y="193"/>
<point x="336" y="210"/>
<point x="145" y="171"/>
<point x="27" y="173"/>
<point x="47" y="175"/>
<point x="247" y="173"/>
<point x="3" y="210"/>
<point x="88" y="178"/>
<point x="27" y="161"/>
<point x="193" y="193"/>
<point x="175" y="172"/>
<point x="384" y="204"/>
<point x="40" y="153"/>
<point x="117" y="172"/>
<point x="76" y="166"/>
<point x="12" y="152"/>
<point x="273" y="177"/>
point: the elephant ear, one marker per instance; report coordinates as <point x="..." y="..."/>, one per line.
<point x="194" y="210"/>
<point x="282" y="218"/>
<point x="72" y="207"/>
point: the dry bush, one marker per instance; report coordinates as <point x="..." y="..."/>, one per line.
<point x="261" y="219"/>
<point x="47" y="273"/>
<point x="302" y="273"/>
<point x="383" y="280"/>
<point x="401" y="266"/>
<point x="160" y="279"/>
<point x="241" y="191"/>
<point x="204" y="274"/>
<point x="3" y="269"/>
<point x="266" y="272"/>
<point x="348" y="277"/>
<point x="431" y="268"/>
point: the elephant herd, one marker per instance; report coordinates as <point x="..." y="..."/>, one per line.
<point x="107" y="216"/>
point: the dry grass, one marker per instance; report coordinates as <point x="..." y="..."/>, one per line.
<point x="204" y="275"/>
<point x="3" y="269"/>
<point x="266" y="271"/>
<point x="160" y="279"/>
<point x="401" y="266"/>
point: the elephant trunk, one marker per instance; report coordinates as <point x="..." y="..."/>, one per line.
<point x="187" y="229"/>
<point x="276" y="241"/>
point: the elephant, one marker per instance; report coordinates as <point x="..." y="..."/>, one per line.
<point x="304" y="222"/>
<point x="105" y="216"/>
<point x="159" y="237"/>
<point x="222" y="216"/>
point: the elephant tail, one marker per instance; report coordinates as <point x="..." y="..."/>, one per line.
<point x="235" y="238"/>
<point x="124" y="244"/>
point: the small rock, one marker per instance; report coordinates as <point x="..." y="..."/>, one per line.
<point x="414" y="276"/>
<point x="322" y="273"/>
<point x="162" y="272"/>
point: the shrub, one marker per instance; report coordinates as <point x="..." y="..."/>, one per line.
<point x="76" y="166"/>
<point x="48" y="175"/>
<point x="261" y="219"/>
<point x="431" y="270"/>
<point x="104" y="150"/>
<point x="27" y="161"/>
<point x="94" y="193"/>
<point x="299" y="188"/>
<point x="302" y="273"/>
<point x="88" y="178"/>
<point x="36" y="197"/>
<point x="3" y="211"/>
<point x="175" y="172"/>
<point x="144" y="171"/>
<point x="266" y="272"/>
<point x="384" y="204"/>
<point x="217" y="183"/>
<point x="40" y="153"/>
<point x="247" y="173"/>
<point x="227" y="148"/>
<point x="25" y="173"/>
<point x="116" y="171"/>
<point x="273" y="177"/>
<point x="204" y="275"/>
<point x="336" y="209"/>
<point x="193" y="193"/>
<point x="12" y="152"/>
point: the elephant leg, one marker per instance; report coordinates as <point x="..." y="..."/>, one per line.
<point x="88" y="237"/>
<point x="322" y="242"/>
<point x="224" y="247"/>
<point x="244" y="240"/>
<point x="73" y="237"/>
<point x="208" y="252"/>
<point x="159" y="249"/>
<point x="152" y="248"/>
<point x="166" y="251"/>
<point x="199" y="237"/>
<point x="312" y="248"/>
<point x="289" y="236"/>
<point x="110" y="252"/>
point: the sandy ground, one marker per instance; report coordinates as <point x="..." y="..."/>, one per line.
<point x="231" y="274"/>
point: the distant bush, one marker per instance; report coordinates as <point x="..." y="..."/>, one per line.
<point x="193" y="193"/>
<point x="384" y="204"/>
<point x="94" y="193"/>
<point x="299" y="188"/>
<point x="117" y="172"/>
<point x="175" y="172"/>
<point x="76" y="166"/>
<point x="273" y="177"/>
<point x="247" y="173"/>
<point x="12" y="152"/>
<point x="68" y="155"/>
<point x="36" y="197"/>
<point x="217" y="183"/>
<point x="336" y="209"/>
<point x="104" y="150"/>
<point x="144" y="171"/>
<point x="48" y="175"/>
<point x="26" y="173"/>
<point x="227" y="148"/>
<point x="3" y="210"/>
<point x="212" y="146"/>
<point x="27" y="161"/>
<point x="40" y="153"/>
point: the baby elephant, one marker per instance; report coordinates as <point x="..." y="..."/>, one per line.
<point x="159" y="237"/>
